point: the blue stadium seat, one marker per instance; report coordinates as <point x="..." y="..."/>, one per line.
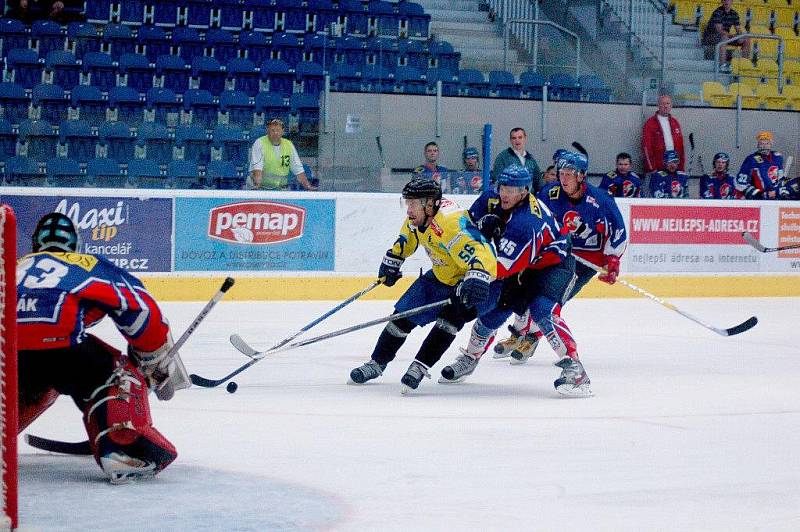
<point x="194" y="143"/>
<point x="157" y="141"/>
<point x="82" y="38"/>
<point x="288" y="48"/>
<point x="243" y="76"/>
<point x="306" y="108"/>
<point x="51" y="102"/>
<point x="272" y="105"/>
<point x="8" y="139"/>
<point x="200" y="103"/>
<point x="165" y="13"/>
<point x="47" y="35"/>
<point x="14" y="102"/>
<point x="154" y="40"/>
<point x="131" y="12"/>
<point x="352" y="50"/>
<point x="89" y="103"/>
<point x="415" y="53"/>
<point x="24" y="171"/>
<point x="237" y="107"/>
<point x="409" y="80"/>
<point x="321" y="13"/>
<point x="80" y="140"/>
<point x="532" y="84"/>
<point x="415" y="19"/>
<point x="223" y="175"/>
<point x="473" y="83"/>
<point x="256" y="46"/>
<point x="222" y="45"/>
<point x="40" y="138"/>
<point x="355" y="14"/>
<point x="137" y="71"/>
<point x="278" y="75"/>
<point x="319" y="49"/>
<point x="64" y="67"/>
<point x="105" y="173"/>
<point x="256" y="133"/>
<point x="145" y="173"/>
<point x="120" y="40"/>
<point x="12" y="35"/>
<point x="230" y="140"/>
<point x="25" y="66"/>
<point x="345" y="78"/>
<point x="384" y="18"/>
<point x="383" y="52"/>
<point x="593" y="88"/>
<point x="199" y="13"/>
<point x="231" y="14"/>
<point x="378" y="78"/>
<point x="450" y="85"/>
<point x="209" y="73"/>
<point x="98" y="11"/>
<point x="290" y="16"/>
<point x="101" y="70"/>
<point x="263" y="14"/>
<point x="503" y="84"/>
<point x="189" y="43"/>
<point x="444" y="56"/>
<point x="311" y="76"/>
<point x="183" y="174"/>
<point x="173" y="73"/>
<point x="128" y="104"/>
<point x="165" y="104"/>
<point x="63" y="172"/>
<point x="118" y="140"/>
<point x="563" y="86"/>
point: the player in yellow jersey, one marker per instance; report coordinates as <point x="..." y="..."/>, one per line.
<point x="464" y="266"/>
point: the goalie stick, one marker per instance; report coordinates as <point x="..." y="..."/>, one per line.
<point x="255" y="356"/>
<point x="736" y="329"/>
<point x="81" y="448"/>
<point x="750" y="239"/>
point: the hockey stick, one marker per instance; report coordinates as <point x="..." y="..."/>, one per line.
<point x="81" y="448"/>
<point x="750" y="239"/>
<point x="578" y="146"/>
<point x="255" y="356"/>
<point x="691" y="154"/>
<point x="788" y="166"/>
<point x="325" y="316"/>
<point x="737" y="329"/>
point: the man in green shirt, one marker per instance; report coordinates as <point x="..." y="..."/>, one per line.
<point x="272" y="157"/>
<point x="516" y="154"/>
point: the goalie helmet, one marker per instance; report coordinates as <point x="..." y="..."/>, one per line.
<point x="515" y="176"/>
<point x="55" y="232"/>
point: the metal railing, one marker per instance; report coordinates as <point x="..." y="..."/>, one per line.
<point x="646" y="22"/>
<point x="751" y="36"/>
<point x="508" y="30"/>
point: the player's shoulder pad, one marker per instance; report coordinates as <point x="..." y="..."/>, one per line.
<point x="634" y="174"/>
<point x="757" y="158"/>
<point x="536" y="209"/>
<point x="82" y="260"/>
<point x="554" y="192"/>
<point x="662" y="173"/>
<point x="418" y="170"/>
<point x="682" y="173"/>
<point x="612" y="174"/>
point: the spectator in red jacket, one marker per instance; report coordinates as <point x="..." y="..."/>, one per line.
<point x="661" y="132"/>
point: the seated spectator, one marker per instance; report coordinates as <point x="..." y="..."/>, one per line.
<point x="430" y="168"/>
<point x="59" y="11"/>
<point x="718" y="29"/>
<point x="719" y="184"/>
<point x="550" y="175"/>
<point x="761" y="174"/>
<point x="272" y="157"/>
<point x="669" y="183"/>
<point x="469" y="180"/>
<point x="622" y="183"/>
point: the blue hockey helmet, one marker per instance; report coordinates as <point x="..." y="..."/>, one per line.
<point x="55" y="232"/>
<point x="470" y="153"/>
<point x="558" y="154"/>
<point x="671" y="156"/>
<point x="721" y="156"/>
<point x="574" y="160"/>
<point x="515" y="176"/>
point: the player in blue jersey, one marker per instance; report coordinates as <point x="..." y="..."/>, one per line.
<point x="669" y="183"/>
<point x="534" y="259"/>
<point x="719" y="184"/>
<point x="431" y="167"/>
<point x="61" y="294"/>
<point x="622" y="182"/>
<point x="761" y="174"/>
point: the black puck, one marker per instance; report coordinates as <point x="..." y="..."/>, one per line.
<point x="232" y="387"/>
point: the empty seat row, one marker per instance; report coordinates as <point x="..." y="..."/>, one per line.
<point x="761" y="96"/>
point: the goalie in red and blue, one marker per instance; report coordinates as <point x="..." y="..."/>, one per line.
<point x="61" y="294"/>
<point x="538" y="269"/>
<point x="464" y="268"/>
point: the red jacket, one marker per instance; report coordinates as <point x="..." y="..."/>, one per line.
<point x="653" y="144"/>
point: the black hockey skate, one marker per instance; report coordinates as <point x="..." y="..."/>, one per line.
<point x="366" y="372"/>
<point x="414" y="375"/>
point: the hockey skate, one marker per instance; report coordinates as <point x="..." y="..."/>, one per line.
<point x="456" y="372"/>
<point x="573" y="382"/>
<point x="366" y="372"/>
<point x="503" y="348"/>
<point x="123" y="469"/>
<point x="414" y="375"/>
<point x="525" y="349"/>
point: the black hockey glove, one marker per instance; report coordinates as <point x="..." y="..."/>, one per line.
<point x="491" y="227"/>
<point x="390" y="269"/>
<point x="474" y="288"/>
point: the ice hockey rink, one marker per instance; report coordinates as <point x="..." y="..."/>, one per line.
<point x="687" y="431"/>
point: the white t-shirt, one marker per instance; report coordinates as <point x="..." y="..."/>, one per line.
<point x="663" y="121"/>
<point x="521" y="156"/>
<point x="257" y="157"/>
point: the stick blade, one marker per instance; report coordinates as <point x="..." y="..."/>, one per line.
<point x="742" y="327"/>
<point x="750" y="239"/>
<point x="243" y="347"/>
<point x="81" y="448"/>
<point x="197" y="380"/>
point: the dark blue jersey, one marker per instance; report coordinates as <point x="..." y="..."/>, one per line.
<point x="666" y="185"/>
<point x="760" y="174"/>
<point x="622" y="186"/>
<point x="532" y="236"/>
<point x="717" y="186"/>
<point x="594" y="221"/>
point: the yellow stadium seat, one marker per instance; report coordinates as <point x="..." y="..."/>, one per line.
<point x="715" y="94"/>
<point x="749" y="99"/>
<point x="766" y="47"/>
<point x="760" y="29"/>
<point x="768" y="68"/>
<point x="784" y="16"/>
<point x="759" y="16"/>
<point x="769" y="97"/>
<point x="792" y="95"/>
<point x="791" y="42"/>
<point x="686" y="12"/>
<point x="741" y="66"/>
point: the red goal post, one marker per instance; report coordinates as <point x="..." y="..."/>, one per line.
<point x="8" y="365"/>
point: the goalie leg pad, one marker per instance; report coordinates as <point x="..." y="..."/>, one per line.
<point x="121" y="434"/>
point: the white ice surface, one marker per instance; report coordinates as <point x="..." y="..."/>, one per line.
<point x="687" y="431"/>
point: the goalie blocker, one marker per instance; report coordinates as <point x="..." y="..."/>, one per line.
<point x="57" y="356"/>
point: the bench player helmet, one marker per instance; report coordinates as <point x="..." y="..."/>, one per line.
<point x="722" y="156"/>
<point x="671" y="156"/>
<point x="55" y="232"/>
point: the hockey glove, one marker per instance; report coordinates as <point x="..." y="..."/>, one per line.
<point x="491" y="227"/>
<point x="390" y="269"/>
<point x="164" y="371"/>
<point x="473" y="290"/>
<point x="612" y="270"/>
